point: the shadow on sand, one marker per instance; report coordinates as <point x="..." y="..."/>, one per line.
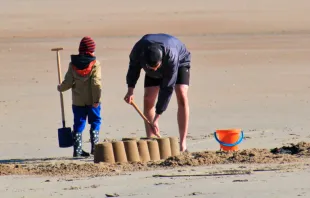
<point x="40" y="160"/>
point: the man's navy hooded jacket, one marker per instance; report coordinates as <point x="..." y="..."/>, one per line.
<point x="175" y="55"/>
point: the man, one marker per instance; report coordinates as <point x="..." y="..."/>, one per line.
<point x="166" y="63"/>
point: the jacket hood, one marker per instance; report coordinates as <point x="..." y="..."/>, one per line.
<point x="82" y="61"/>
<point x="83" y="64"/>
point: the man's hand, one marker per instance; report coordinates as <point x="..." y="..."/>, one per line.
<point x="155" y="126"/>
<point x="58" y="88"/>
<point x="95" y="105"/>
<point x="129" y="96"/>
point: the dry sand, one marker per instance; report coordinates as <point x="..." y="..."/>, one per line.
<point x="250" y="70"/>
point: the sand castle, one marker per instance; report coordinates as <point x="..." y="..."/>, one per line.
<point x="136" y="150"/>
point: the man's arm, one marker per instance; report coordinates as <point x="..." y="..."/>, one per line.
<point x="68" y="81"/>
<point x="168" y="82"/>
<point x="134" y="69"/>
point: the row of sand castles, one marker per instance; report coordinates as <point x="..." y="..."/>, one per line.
<point x="136" y="150"/>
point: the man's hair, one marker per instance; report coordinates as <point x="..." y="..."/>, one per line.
<point x="153" y="54"/>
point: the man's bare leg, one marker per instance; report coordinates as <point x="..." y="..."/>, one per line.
<point x="183" y="113"/>
<point x="150" y="95"/>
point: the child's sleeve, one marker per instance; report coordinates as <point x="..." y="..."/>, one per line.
<point x="67" y="83"/>
<point x="96" y="84"/>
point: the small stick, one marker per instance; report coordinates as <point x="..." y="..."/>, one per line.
<point x="203" y="175"/>
<point x="140" y="113"/>
<point x="261" y="170"/>
<point x="143" y="116"/>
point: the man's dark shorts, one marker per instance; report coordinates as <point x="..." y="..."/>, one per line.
<point x="183" y="78"/>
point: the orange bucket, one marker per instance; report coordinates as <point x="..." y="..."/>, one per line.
<point x="229" y="138"/>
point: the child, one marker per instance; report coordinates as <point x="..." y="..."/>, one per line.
<point x="84" y="79"/>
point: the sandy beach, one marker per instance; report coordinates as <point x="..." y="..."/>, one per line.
<point x="250" y="70"/>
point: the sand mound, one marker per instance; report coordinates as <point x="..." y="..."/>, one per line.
<point x="63" y="168"/>
<point x="302" y="148"/>
<point x="258" y="156"/>
<point x="298" y="152"/>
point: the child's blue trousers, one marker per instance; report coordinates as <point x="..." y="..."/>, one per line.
<point x="81" y="113"/>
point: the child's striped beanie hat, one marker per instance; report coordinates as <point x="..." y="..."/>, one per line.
<point x="87" y="45"/>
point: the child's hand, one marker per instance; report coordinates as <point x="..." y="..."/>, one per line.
<point x="96" y="105"/>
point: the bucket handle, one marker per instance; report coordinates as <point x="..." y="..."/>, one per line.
<point x="229" y="145"/>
